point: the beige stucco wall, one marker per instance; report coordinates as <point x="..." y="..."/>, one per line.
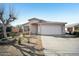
<point x="34" y="29"/>
<point x="46" y="28"/>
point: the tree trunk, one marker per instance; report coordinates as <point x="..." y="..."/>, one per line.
<point x="4" y="31"/>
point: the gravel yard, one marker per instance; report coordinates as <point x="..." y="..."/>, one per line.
<point x="34" y="48"/>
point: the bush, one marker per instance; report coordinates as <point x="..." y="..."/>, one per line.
<point x="76" y="33"/>
<point x="13" y="34"/>
<point x="9" y="29"/>
<point x="9" y="34"/>
<point x="1" y="36"/>
<point x="3" y="39"/>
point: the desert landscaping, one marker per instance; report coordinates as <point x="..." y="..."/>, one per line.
<point x="34" y="48"/>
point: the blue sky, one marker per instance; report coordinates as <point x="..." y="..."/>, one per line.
<point x="62" y="12"/>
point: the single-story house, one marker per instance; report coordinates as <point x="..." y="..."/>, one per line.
<point x="71" y="28"/>
<point x="42" y="27"/>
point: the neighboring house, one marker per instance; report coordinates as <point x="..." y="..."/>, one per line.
<point x="72" y="28"/>
<point x="22" y="28"/>
<point x="25" y="27"/>
<point x="42" y="27"/>
<point x="15" y="29"/>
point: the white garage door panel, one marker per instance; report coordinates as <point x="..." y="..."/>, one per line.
<point x="51" y="29"/>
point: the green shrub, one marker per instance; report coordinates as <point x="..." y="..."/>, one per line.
<point x="13" y="34"/>
<point x="1" y="36"/>
<point x="76" y="33"/>
<point x="9" y="29"/>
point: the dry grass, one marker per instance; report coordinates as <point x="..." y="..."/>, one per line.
<point x="36" y="42"/>
<point x="34" y="48"/>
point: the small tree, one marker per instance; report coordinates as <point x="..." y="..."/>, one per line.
<point x="6" y="21"/>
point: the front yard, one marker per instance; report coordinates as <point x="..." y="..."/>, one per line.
<point x="34" y="48"/>
<point x="41" y="45"/>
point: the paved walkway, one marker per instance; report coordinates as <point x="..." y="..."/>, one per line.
<point x="55" y="46"/>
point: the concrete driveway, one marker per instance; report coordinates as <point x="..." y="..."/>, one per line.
<point x="55" y="46"/>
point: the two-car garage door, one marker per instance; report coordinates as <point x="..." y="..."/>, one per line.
<point x="50" y="29"/>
